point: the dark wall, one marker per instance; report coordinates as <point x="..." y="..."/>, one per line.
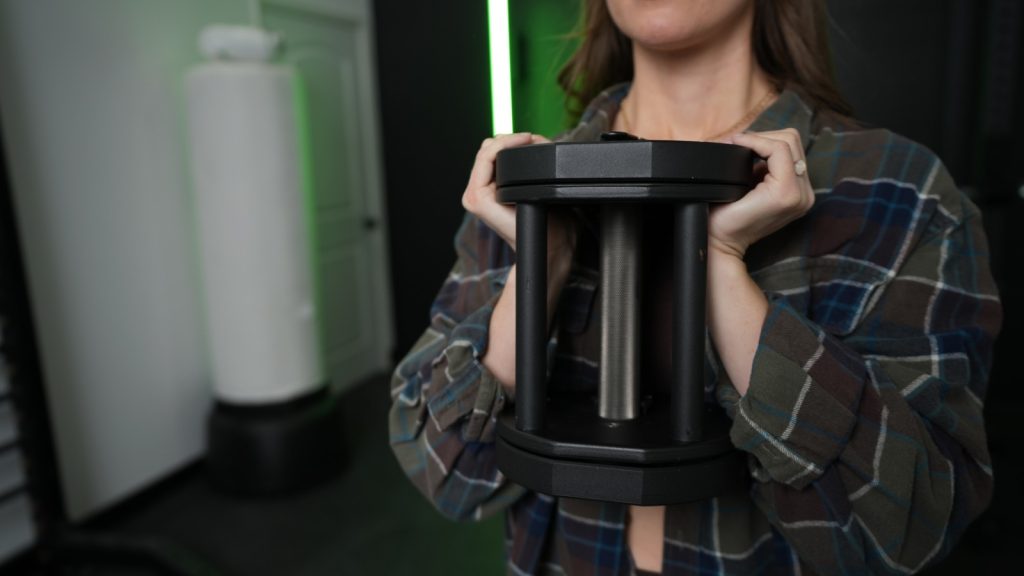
<point x="904" y="66"/>
<point x="945" y="73"/>
<point x="435" y="104"/>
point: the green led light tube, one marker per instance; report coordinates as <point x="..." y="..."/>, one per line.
<point x="501" y="68"/>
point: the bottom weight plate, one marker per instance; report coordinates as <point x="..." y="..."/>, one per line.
<point x="628" y="484"/>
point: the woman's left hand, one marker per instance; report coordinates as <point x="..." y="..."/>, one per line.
<point x="781" y="197"/>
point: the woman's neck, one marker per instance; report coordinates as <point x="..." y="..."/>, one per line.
<point x="697" y="92"/>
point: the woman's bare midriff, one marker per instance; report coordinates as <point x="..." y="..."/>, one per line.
<point x="646" y="536"/>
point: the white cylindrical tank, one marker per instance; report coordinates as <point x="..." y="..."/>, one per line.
<point x="253" y="237"/>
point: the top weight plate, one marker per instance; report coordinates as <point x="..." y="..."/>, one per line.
<point x="630" y="161"/>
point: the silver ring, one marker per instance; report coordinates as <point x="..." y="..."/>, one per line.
<point x="800" y="167"/>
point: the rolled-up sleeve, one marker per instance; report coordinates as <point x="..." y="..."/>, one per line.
<point x="444" y="401"/>
<point x="869" y="448"/>
<point x="803" y="399"/>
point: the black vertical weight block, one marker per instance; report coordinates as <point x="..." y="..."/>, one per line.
<point x="671" y="446"/>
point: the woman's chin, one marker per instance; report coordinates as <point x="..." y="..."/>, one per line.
<point x="675" y="26"/>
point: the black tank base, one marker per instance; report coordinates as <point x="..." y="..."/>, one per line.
<point x="580" y="455"/>
<point x="270" y="450"/>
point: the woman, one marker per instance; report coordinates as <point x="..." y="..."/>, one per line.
<point x="849" y="305"/>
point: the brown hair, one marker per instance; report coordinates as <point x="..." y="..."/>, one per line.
<point x="789" y="42"/>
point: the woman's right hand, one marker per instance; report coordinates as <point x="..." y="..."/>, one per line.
<point x="480" y="197"/>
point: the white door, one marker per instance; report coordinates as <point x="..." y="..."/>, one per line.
<point x="329" y="49"/>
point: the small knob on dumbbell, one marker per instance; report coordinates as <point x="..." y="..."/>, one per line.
<point x="617" y="137"/>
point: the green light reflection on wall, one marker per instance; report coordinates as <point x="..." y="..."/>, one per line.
<point x="300" y="106"/>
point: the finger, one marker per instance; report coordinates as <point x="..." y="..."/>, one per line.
<point x="792" y="138"/>
<point x="788" y="135"/>
<point x="500" y="141"/>
<point x="479" y="189"/>
<point x="492" y="146"/>
<point x="760" y="170"/>
<point x="777" y="153"/>
<point x="483" y="168"/>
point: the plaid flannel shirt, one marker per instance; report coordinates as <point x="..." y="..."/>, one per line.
<point x="863" y="418"/>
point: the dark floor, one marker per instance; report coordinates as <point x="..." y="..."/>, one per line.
<point x="370" y="521"/>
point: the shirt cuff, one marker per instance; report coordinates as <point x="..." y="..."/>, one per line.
<point x="801" y="405"/>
